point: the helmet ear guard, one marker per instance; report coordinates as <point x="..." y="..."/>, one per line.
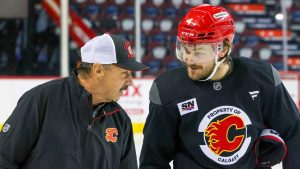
<point x="269" y="149"/>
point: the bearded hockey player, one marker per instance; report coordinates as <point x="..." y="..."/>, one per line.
<point x="210" y="113"/>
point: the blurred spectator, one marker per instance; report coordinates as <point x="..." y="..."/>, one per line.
<point x="9" y="34"/>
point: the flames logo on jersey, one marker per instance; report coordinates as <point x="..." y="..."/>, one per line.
<point x="224" y="132"/>
<point x="111" y="135"/>
<point x="217" y="134"/>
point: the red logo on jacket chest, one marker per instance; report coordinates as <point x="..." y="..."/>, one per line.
<point x="111" y="135"/>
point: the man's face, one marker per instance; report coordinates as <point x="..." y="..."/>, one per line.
<point x="117" y="80"/>
<point x="199" y="60"/>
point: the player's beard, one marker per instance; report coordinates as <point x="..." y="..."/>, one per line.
<point x="198" y="72"/>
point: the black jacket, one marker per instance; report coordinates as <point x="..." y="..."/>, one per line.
<point x="214" y="124"/>
<point x="52" y="127"/>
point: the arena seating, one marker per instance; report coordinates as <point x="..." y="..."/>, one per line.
<point x="258" y="33"/>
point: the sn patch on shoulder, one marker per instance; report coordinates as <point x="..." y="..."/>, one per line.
<point x="187" y="106"/>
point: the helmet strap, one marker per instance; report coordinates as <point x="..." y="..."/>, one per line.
<point x="217" y="64"/>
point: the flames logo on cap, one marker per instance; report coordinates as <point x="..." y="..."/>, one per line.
<point x="218" y="138"/>
<point x="127" y="46"/>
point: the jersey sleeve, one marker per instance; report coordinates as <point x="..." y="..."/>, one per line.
<point x="282" y="115"/>
<point x="159" y="134"/>
<point x="20" y="133"/>
<point x="128" y="159"/>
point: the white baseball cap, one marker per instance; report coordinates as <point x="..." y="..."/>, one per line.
<point x="110" y="49"/>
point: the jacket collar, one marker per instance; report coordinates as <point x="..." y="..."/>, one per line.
<point x="78" y="90"/>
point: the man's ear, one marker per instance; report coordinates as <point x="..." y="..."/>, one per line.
<point x="98" y="70"/>
<point x="226" y="49"/>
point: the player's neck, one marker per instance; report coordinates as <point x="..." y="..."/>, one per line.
<point x="221" y="71"/>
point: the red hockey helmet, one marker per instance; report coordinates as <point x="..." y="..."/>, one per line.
<point x="206" y="24"/>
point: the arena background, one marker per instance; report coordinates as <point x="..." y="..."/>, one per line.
<point x="36" y="45"/>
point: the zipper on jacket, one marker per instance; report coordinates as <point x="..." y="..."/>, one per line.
<point x="90" y="129"/>
<point x="87" y="143"/>
<point x="90" y="132"/>
<point x="87" y="138"/>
